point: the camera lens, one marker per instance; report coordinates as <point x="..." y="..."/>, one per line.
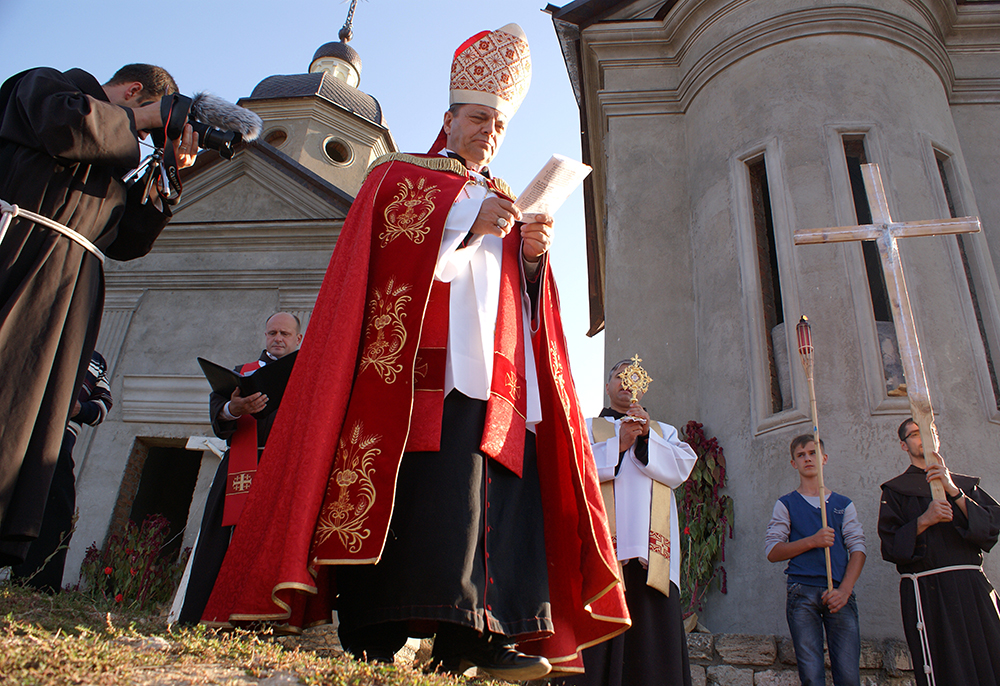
<point x="216" y="139"/>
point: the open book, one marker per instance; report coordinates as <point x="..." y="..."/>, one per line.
<point x="552" y="185"/>
<point x="270" y="380"/>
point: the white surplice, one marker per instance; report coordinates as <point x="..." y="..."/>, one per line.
<point x="473" y="273"/>
<point x="670" y="462"/>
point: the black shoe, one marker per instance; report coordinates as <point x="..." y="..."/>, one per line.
<point x="505" y="662"/>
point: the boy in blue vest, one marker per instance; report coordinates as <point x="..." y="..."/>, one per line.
<point x="796" y="533"/>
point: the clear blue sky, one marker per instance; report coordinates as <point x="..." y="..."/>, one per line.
<point x="406" y="48"/>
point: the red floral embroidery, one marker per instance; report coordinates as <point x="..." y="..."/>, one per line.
<point x="659" y="544"/>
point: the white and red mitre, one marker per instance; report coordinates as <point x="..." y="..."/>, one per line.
<point x="492" y="68"/>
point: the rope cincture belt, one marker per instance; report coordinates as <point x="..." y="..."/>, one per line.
<point x="8" y="212"/>
<point x="925" y="646"/>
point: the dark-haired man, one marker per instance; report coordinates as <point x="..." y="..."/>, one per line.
<point x="232" y="420"/>
<point x="65" y="142"/>
<point x="950" y="614"/>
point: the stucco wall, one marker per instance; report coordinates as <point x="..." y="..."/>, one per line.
<point x="683" y="109"/>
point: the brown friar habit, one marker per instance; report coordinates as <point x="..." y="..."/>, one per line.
<point x="958" y="606"/>
<point x="326" y="484"/>
<point x="63" y="150"/>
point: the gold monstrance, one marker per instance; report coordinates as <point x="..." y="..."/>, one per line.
<point x="634" y="378"/>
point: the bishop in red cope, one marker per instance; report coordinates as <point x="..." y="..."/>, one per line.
<point x="429" y="472"/>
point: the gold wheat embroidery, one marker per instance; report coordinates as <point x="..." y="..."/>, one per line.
<point x="385" y="315"/>
<point x="409" y="211"/>
<point x="355" y="466"/>
<point x="512" y="386"/>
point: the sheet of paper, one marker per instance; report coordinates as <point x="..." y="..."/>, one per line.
<point x="552" y="185"/>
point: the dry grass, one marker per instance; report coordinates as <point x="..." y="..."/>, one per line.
<point x="66" y="639"/>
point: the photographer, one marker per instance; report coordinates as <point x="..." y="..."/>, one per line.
<point x="65" y="143"/>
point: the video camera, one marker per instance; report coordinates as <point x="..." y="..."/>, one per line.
<point x="220" y="126"/>
<point x="176" y="111"/>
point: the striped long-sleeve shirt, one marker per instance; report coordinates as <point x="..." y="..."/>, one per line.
<point x="95" y="396"/>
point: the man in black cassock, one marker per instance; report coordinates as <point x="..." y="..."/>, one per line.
<point x="65" y="142"/>
<point x="281" y="337"/>
<point x="938" y="546"/>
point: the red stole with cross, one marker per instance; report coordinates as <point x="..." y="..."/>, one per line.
<point x="242" y="461"/>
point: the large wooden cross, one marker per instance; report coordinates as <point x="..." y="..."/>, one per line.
<point x="884" y="231"/>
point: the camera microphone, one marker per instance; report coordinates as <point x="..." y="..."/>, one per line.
<point x="222" y="114"/>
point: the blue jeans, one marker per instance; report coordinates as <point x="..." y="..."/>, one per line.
<point x="807" y="617"/>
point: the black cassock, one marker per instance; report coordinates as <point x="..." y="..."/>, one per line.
<point x="213" y="538"/>
<point x="959" y="606"/>
<point x="63" y="150"/>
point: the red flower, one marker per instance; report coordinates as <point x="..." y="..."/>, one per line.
<point x="119" y="598"/>
<point x="132" y="571"/>
<point x="687" y="531"/>
<point x="108" y="570"/>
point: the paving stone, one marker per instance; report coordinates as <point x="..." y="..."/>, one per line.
<point x="786" y="652"/>
<point x="727" y="675"/>
<point x="746" y="649"/>
<point x="779" y="677"/>
<point x="896" y="658"/>
<point x="871" y="654"/>
<point x="700" y="646"/>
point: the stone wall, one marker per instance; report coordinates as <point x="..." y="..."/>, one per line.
<point x="749" y="660"/>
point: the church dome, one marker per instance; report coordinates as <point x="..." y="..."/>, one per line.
<point x="322" y="84"/>
<point x="340" y="60"/>
<point x="339" y="50"/>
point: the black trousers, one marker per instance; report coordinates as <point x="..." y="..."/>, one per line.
<point x="45" y="561"/>
<point x="466" y="546"/>
<point x="213" y="542"/>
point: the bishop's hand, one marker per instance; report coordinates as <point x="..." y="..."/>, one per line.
<point x="536" y="237"/>
<point x="496" y="217"/>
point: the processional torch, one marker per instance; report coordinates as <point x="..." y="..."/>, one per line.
<point x="804" y="334"/>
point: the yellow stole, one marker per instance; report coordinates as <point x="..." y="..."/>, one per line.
<point x="658" y="574"/>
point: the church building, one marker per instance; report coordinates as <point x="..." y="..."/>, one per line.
<point x="718" y="128"/>
<point x="250" y="236"/>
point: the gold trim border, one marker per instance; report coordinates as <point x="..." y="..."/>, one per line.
<point x="446" y="164"/>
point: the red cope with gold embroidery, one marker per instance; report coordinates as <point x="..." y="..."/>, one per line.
<point x="397" y="357"/>
<point x="401" y="371"/>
